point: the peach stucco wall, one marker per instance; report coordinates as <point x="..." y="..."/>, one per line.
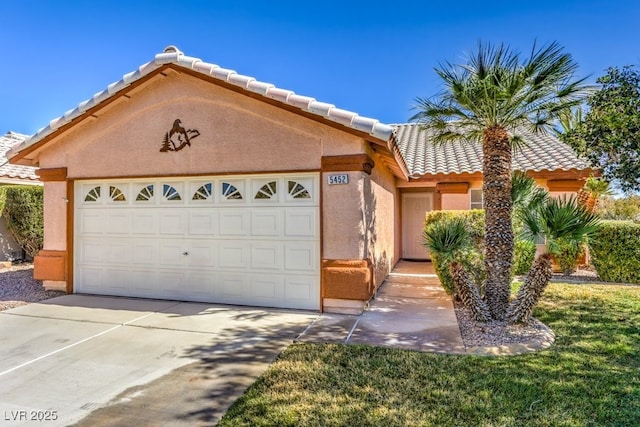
<point x="342" y="217"/>
<point x="55" y="215"/>
<point x="237" y="134"/>
<point x="381" y="216"/>
<point x="455" y="202"/>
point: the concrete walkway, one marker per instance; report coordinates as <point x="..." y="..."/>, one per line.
<point x="411" y="311"/>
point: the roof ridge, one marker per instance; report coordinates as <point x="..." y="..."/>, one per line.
<point x="172" y="55"/>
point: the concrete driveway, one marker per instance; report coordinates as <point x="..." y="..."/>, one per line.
<point x="91" y="360"/>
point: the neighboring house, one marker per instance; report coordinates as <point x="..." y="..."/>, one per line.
<point x="12" y="174"/>
<point x="189" y="181"/>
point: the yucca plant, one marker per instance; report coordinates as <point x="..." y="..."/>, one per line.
<point x="565" y="220"/>
<point x="446" y="240"/>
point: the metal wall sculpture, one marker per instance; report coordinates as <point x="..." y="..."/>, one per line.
<point x="178" y="137"/>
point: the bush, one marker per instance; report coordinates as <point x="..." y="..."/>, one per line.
<point x="615" y="251"/>
<point x="523" y="256"/>
<point x="465" y="229"/>
<point x="473" y="258"/>
<point x="567" y="255"/>
<point x="21" y="206"/>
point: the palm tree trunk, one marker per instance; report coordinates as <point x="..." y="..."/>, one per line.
<point x="496" y="149"/>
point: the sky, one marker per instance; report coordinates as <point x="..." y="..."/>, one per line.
<point x="372" y="57"/>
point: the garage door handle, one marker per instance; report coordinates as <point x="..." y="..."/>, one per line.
<point x="185" y="253"/>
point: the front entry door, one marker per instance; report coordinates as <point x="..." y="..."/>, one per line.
<point x="414" y="208"/>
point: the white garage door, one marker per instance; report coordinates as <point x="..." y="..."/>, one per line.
<point x="249" y="240"/>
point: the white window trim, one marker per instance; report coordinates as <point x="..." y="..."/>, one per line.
<point x="474" y="205"/>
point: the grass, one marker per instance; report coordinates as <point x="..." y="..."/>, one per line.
<point x="589" y="377"/>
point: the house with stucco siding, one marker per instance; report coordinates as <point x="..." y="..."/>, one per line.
<point x="188" y="181"/>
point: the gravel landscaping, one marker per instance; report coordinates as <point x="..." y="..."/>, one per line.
<point x="18" y="287"/>
<point x="496" y="333"/>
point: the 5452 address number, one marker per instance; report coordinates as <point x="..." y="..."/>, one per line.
<point x="337" y="179"/>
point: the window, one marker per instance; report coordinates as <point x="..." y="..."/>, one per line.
<point x="93" y="195"/>
<point x="230" y="192"/>
<point x="297" y="191"/>
<point x="267" y="191"/>
<point x="476" y="198"/>
<point x="170" y="193"/>
<point x="145" y="194"/>
<point x="204" y="192"/>
<point x="116" y="194"/>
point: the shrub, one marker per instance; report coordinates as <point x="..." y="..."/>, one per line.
<point x="446" y="239"/>
<point x="473" y="258"/>
<point x="524" y="255"/>
<point x="455" y="236"/>
<point x="21" y="206"/>
<point x="567" y="255"/>
<point x="615" y="251"/>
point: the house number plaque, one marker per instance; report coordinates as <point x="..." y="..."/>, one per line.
<point x="338" y="179"/>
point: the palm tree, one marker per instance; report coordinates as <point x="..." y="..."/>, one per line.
<point x="497" y="98"/>
<point x="593" y="190"/>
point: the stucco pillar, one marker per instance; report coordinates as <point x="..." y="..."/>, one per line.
<point x="347" y="277"/>
<point x="50" y="265"/>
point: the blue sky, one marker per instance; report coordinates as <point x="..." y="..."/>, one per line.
<point x="371" y="57"/>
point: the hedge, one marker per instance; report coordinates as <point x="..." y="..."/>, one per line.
<point x="615" y="251"/>
<point x="21" y="207"/>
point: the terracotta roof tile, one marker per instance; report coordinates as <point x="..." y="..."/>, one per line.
<point x="541" y="153"/>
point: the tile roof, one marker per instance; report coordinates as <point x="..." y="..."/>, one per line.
<point x="171" y="55"/>
<point x="541" y="153"/>
<point x="7" y="170"/>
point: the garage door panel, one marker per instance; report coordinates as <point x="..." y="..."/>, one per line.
<point x="267" y="289"/>
<point x="234" y="255"/>
<point x="144" y="253"/>
<point x="142" y="283"/>
<point x="92" y="251"/>
<point x="91" y="279"/>
<point x="266" y="256"/>
<point x="145" y="223"/>
<point x="118" y="222"/>
<point x="233" y="287"/>
<point x="234" y="222"/>
<point x="301" y="223"/>
<point x="201" y="285"/>
<point x="173" y="221"/>
<point x="203" y="254"/>
<point x="267" y="222"/>
<point x="91" y="222"/>
<point x="301" y="256"/>
<point x="171" y="283"/>
<point x="118" y="279"/>
<point x="117" y="252"/>
<point x="302" y="291"/>
<point x="172" y="253"/>
<point x="249" y="240"/>
<point x="203" y="222"/>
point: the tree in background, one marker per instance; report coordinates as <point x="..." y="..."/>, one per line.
<point x="624" y="208"/>
<point x="498" y="98"/>
<point x="609" y="136"/>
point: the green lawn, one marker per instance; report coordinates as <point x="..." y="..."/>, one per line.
<point x="589" y="377"/>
